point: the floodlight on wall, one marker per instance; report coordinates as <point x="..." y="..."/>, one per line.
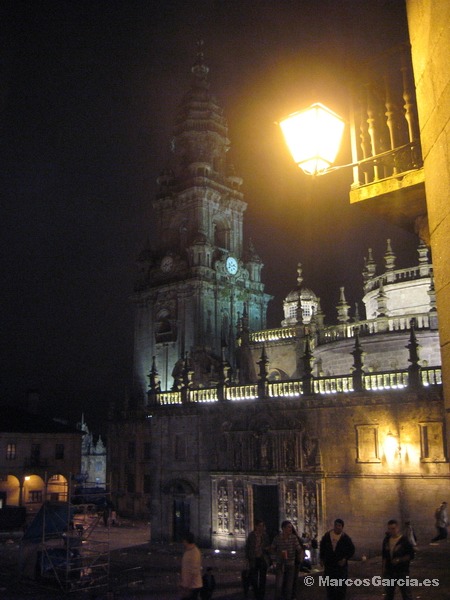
<point x="313" y="137"/>
<point x="392" y="446"/>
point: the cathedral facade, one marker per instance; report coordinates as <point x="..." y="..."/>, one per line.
<point x="393" y="298"/>
<point x="230" y="421"/>
<point x="93" y="459"/>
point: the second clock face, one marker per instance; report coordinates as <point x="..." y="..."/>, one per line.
<point x="232" y="265"/>
<point x="166" y="264"/>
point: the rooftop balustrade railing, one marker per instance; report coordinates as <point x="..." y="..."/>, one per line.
<point x="332" y="333"/>
<point x="292" y="389"/>
<point x="398" y="276"/>
<point x="273" y="335"/>
<point x="389" y="324"/>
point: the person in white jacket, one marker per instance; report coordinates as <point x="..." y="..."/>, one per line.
<point x="191" y="569"/>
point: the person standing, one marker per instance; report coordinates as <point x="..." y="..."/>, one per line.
<point x="441" y="516"/>
<point x="209" y="584"/>
<point x="287" y="549"/>
<point x="299" y="562"/>
<point x="105" y="515"/>
<point x="314" y="551"/>
<point x="256" y="552"/>
<point x="335" y="550"/>
<point x="397" y="553"/>
<point x="191" y="569"/>
<point x="410" y="534"/>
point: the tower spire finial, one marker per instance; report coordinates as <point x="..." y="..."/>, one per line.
<point x="299" y="275"/>
<point x="200" y="70"/>
<point x="389" y="257"/>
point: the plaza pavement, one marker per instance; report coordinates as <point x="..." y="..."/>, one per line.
<point x="161" y="565"/>
<point x="144" y="570"/>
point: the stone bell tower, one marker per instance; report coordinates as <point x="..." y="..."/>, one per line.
<point x="197" y="277"/>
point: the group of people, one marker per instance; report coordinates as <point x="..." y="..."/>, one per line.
<point x="287" y="553"/>
<point x="336" y="548"/>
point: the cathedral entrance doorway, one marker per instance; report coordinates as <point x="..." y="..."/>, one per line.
<point x="181" y="519"/>
<point x="265" y="507"/>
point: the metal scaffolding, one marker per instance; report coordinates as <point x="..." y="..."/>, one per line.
<point x="68" y="548"/>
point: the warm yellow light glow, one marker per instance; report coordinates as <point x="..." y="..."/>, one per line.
<point x="313" y="137"/>
<point x="391" y="446"/>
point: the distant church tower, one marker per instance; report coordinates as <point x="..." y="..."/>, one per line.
<point x="197" y="282"/>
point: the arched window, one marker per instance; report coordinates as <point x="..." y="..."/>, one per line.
<point x="222" y="235"/>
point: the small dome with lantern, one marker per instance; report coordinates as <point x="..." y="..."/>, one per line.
<point x="300" y="297"/>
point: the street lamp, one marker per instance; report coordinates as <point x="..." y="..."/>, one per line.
<point x="313" y="137"/>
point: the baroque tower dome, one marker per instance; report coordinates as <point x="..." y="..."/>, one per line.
<point x="299" y="298"/>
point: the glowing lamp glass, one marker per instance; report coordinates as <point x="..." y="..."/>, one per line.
<point x="313" y="137"/>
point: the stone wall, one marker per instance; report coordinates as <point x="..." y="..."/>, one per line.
<point x="364" y="458"/>
<point x="429" y="31"/>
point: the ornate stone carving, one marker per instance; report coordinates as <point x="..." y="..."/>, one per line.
<point x="291" y="503"/>
<point x="223" y="516"/>
<point x="310" y="508"/>
<point x="311" y="453"/>
<point x="239" y="508"/>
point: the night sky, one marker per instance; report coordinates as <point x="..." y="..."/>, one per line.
<point x="88" y="96"/>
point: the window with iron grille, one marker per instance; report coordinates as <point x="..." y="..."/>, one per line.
<point x="35" y="496"/>
<point x="10" y="451"/>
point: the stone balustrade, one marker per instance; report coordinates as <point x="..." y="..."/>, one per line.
<point x="332" y="333"/>
<point x="386" y="380"/>
<point x="367" y="327"/>
<point x="273" y="335"/>
<point x="398" y="276"/>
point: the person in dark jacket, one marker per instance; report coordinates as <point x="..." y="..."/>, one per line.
<point x="299" y="564"/>
<point x="441" y="517"/>
<point x="335" y="550"/>
<point x="397" y="553"/>
<point x="257" y="554"/>
<point x="209" y="585"/>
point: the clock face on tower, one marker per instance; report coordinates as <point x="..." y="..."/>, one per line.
<point x="232" y="265"/>
<point x="166" y="264"/>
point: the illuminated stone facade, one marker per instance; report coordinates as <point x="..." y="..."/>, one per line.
<point x="214" y="465"/>
<point x="306" y="422"/>
<point x="391" y="300"/>
<point x="364" y="458"/>
<point x="93" y="459"/>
